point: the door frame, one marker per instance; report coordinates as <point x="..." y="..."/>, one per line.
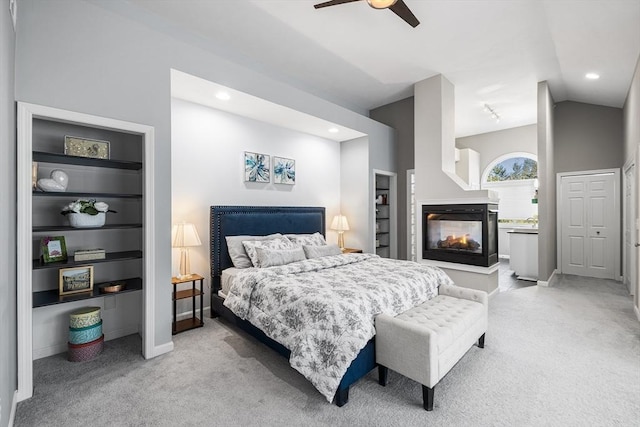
<point x="631" y="163"/>
<point x="617" y="265"/>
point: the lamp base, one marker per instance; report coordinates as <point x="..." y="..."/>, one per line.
<point x="341" y="239"/>
<point x="185" y="266"/>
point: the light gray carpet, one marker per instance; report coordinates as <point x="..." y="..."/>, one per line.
<point x="567" y="356"/>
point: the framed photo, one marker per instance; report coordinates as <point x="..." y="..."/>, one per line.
<point x="84" y="147"/>
<point x="257" y="167"/>
<point x="53" y="249"/>
<point x="76" y="279"/>
<point x="284" y="170"/>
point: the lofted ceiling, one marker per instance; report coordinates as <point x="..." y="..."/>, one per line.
<point x="494" y="52"/>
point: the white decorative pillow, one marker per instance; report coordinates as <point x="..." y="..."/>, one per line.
<point x="320" y="251"/>
<point x="315" y="239"/>
<point x="250" y="246"/>
<point x="273" y="257"/>
<point x="238" y="255"/>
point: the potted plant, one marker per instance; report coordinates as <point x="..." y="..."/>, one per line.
<point x="86" y="213"/>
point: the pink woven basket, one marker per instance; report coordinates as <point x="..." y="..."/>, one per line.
<point x="86" y="351"/>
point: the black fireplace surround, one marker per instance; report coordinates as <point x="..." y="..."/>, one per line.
<point x="464" y="234"/>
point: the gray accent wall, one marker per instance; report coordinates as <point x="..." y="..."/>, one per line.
<point x="399" y="115"/>
<point x="547" y="244"/>
<point x="491" y="145"/>
<point x="631" y="124"/>
<point x="587" y="137"/>
<point x="8" y="285"/>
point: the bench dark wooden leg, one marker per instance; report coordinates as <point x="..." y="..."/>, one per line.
<point x="383" y="375"/>
<point x="342" y="396"/>
<point x="427" y="397"/>
<point x="481" y="341"/>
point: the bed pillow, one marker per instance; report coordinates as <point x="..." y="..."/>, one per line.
<point x="273" y="257"/>
<point x="315" y="239"/>
<point x="238" y="255"/>
<point x="320" y="251"/>
<point x="280" y="242"/>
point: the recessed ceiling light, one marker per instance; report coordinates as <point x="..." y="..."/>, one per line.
<point x="223" y="96"/>
<point x="334" y="130"/>
<point x="592" y="76"/>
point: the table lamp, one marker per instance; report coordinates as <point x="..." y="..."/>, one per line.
<point x="184" y="235"/>
<point x="340" y="224"/>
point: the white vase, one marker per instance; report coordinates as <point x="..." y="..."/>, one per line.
<point x="83" y="220"/>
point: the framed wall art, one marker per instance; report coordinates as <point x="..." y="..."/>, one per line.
<point x="284" y="170"/>
<point x="85" y="147"/>
<point x="53" y="249"/>
<point x="257" y="167"/>
<point x="76" y="279"/>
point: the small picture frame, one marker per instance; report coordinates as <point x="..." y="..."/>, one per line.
<point x="257" y="167"/>
<point x="53" y="249"/>
<point x="284" y="170"/>
<point x="75" y="280"/>
<point x="85" y="147"/>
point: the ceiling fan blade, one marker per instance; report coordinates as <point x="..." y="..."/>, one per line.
<point x="332" y="3"/>
<point x="401" y="9"/>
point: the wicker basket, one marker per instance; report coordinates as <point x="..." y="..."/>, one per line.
<point x="83" y="220"/>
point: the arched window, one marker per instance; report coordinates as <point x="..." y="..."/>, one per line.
<point x="514" y="177"/>
<point x="512" y="166"/>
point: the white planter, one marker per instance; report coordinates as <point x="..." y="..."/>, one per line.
<point x="83" y="220"/>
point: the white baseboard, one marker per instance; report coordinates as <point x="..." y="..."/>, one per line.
<point x="548" y="283"/>
<point x="14" y="405"/>
<point x="496" y="291"/>
<point x="160" y="350"/>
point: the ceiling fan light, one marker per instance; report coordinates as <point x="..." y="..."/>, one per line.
<point x="381" y="4"/>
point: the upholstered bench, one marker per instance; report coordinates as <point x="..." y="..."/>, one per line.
<point x="425" y="342"/>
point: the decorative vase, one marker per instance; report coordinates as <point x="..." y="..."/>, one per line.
<point x="83" y="220"/>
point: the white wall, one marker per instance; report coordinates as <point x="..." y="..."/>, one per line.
<point x="207" y="154"/>
<point x="113" y="59"/>
<point x="8" y="344"/>
<point x="356" y="200"/>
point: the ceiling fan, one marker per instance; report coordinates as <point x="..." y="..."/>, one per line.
<point x="397" y="6"/>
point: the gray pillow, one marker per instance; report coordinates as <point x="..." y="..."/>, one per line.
<point x="250" y="246"/>
<point x="320" y="251"/>
<point x="315" y="239"/>
<point x="272" y="257"/>
<point x="238" y="255"/>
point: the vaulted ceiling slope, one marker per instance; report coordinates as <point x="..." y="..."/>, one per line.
<point x="494" y="52"/>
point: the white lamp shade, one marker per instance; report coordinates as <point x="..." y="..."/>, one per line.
<point x="184" y="234"/>
<point x="340" y="223"/>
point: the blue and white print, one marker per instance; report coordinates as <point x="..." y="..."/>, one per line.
<point x="256" y="167"/>
<point x="284" y="171"/>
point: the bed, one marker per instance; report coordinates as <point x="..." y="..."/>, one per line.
<point x="352" y="354"/>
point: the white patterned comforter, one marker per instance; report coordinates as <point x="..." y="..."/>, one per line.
<point x="323" y="309"/>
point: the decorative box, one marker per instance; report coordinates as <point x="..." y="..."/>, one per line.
<point x="87" y="316"/>
<point x="89" y="254"/>
<point x="86" y="351"/>
<point x="86" y="334"/>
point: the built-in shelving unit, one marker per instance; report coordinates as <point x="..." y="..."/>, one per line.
<point x="124" y="181"/>
<point x="385" y="232"/>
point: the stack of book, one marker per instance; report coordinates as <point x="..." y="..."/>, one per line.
<point x="89" y="254"/>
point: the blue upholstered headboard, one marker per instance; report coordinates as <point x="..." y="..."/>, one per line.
<point x="256" y="221"/>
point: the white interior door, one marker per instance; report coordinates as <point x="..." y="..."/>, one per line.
<point x="588" y="225"/>
<point x="630" y="255"/>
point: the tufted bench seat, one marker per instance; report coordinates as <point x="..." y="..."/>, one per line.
<point x="425" y="342"/>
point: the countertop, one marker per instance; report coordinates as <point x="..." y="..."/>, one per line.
<point x="524" y="231"/>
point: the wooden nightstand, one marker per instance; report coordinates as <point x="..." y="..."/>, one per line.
<point x="193" y="321"/>
<point x="351" y="251"/>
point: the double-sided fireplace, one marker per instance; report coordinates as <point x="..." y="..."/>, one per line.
<point x="465" y="234"/>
